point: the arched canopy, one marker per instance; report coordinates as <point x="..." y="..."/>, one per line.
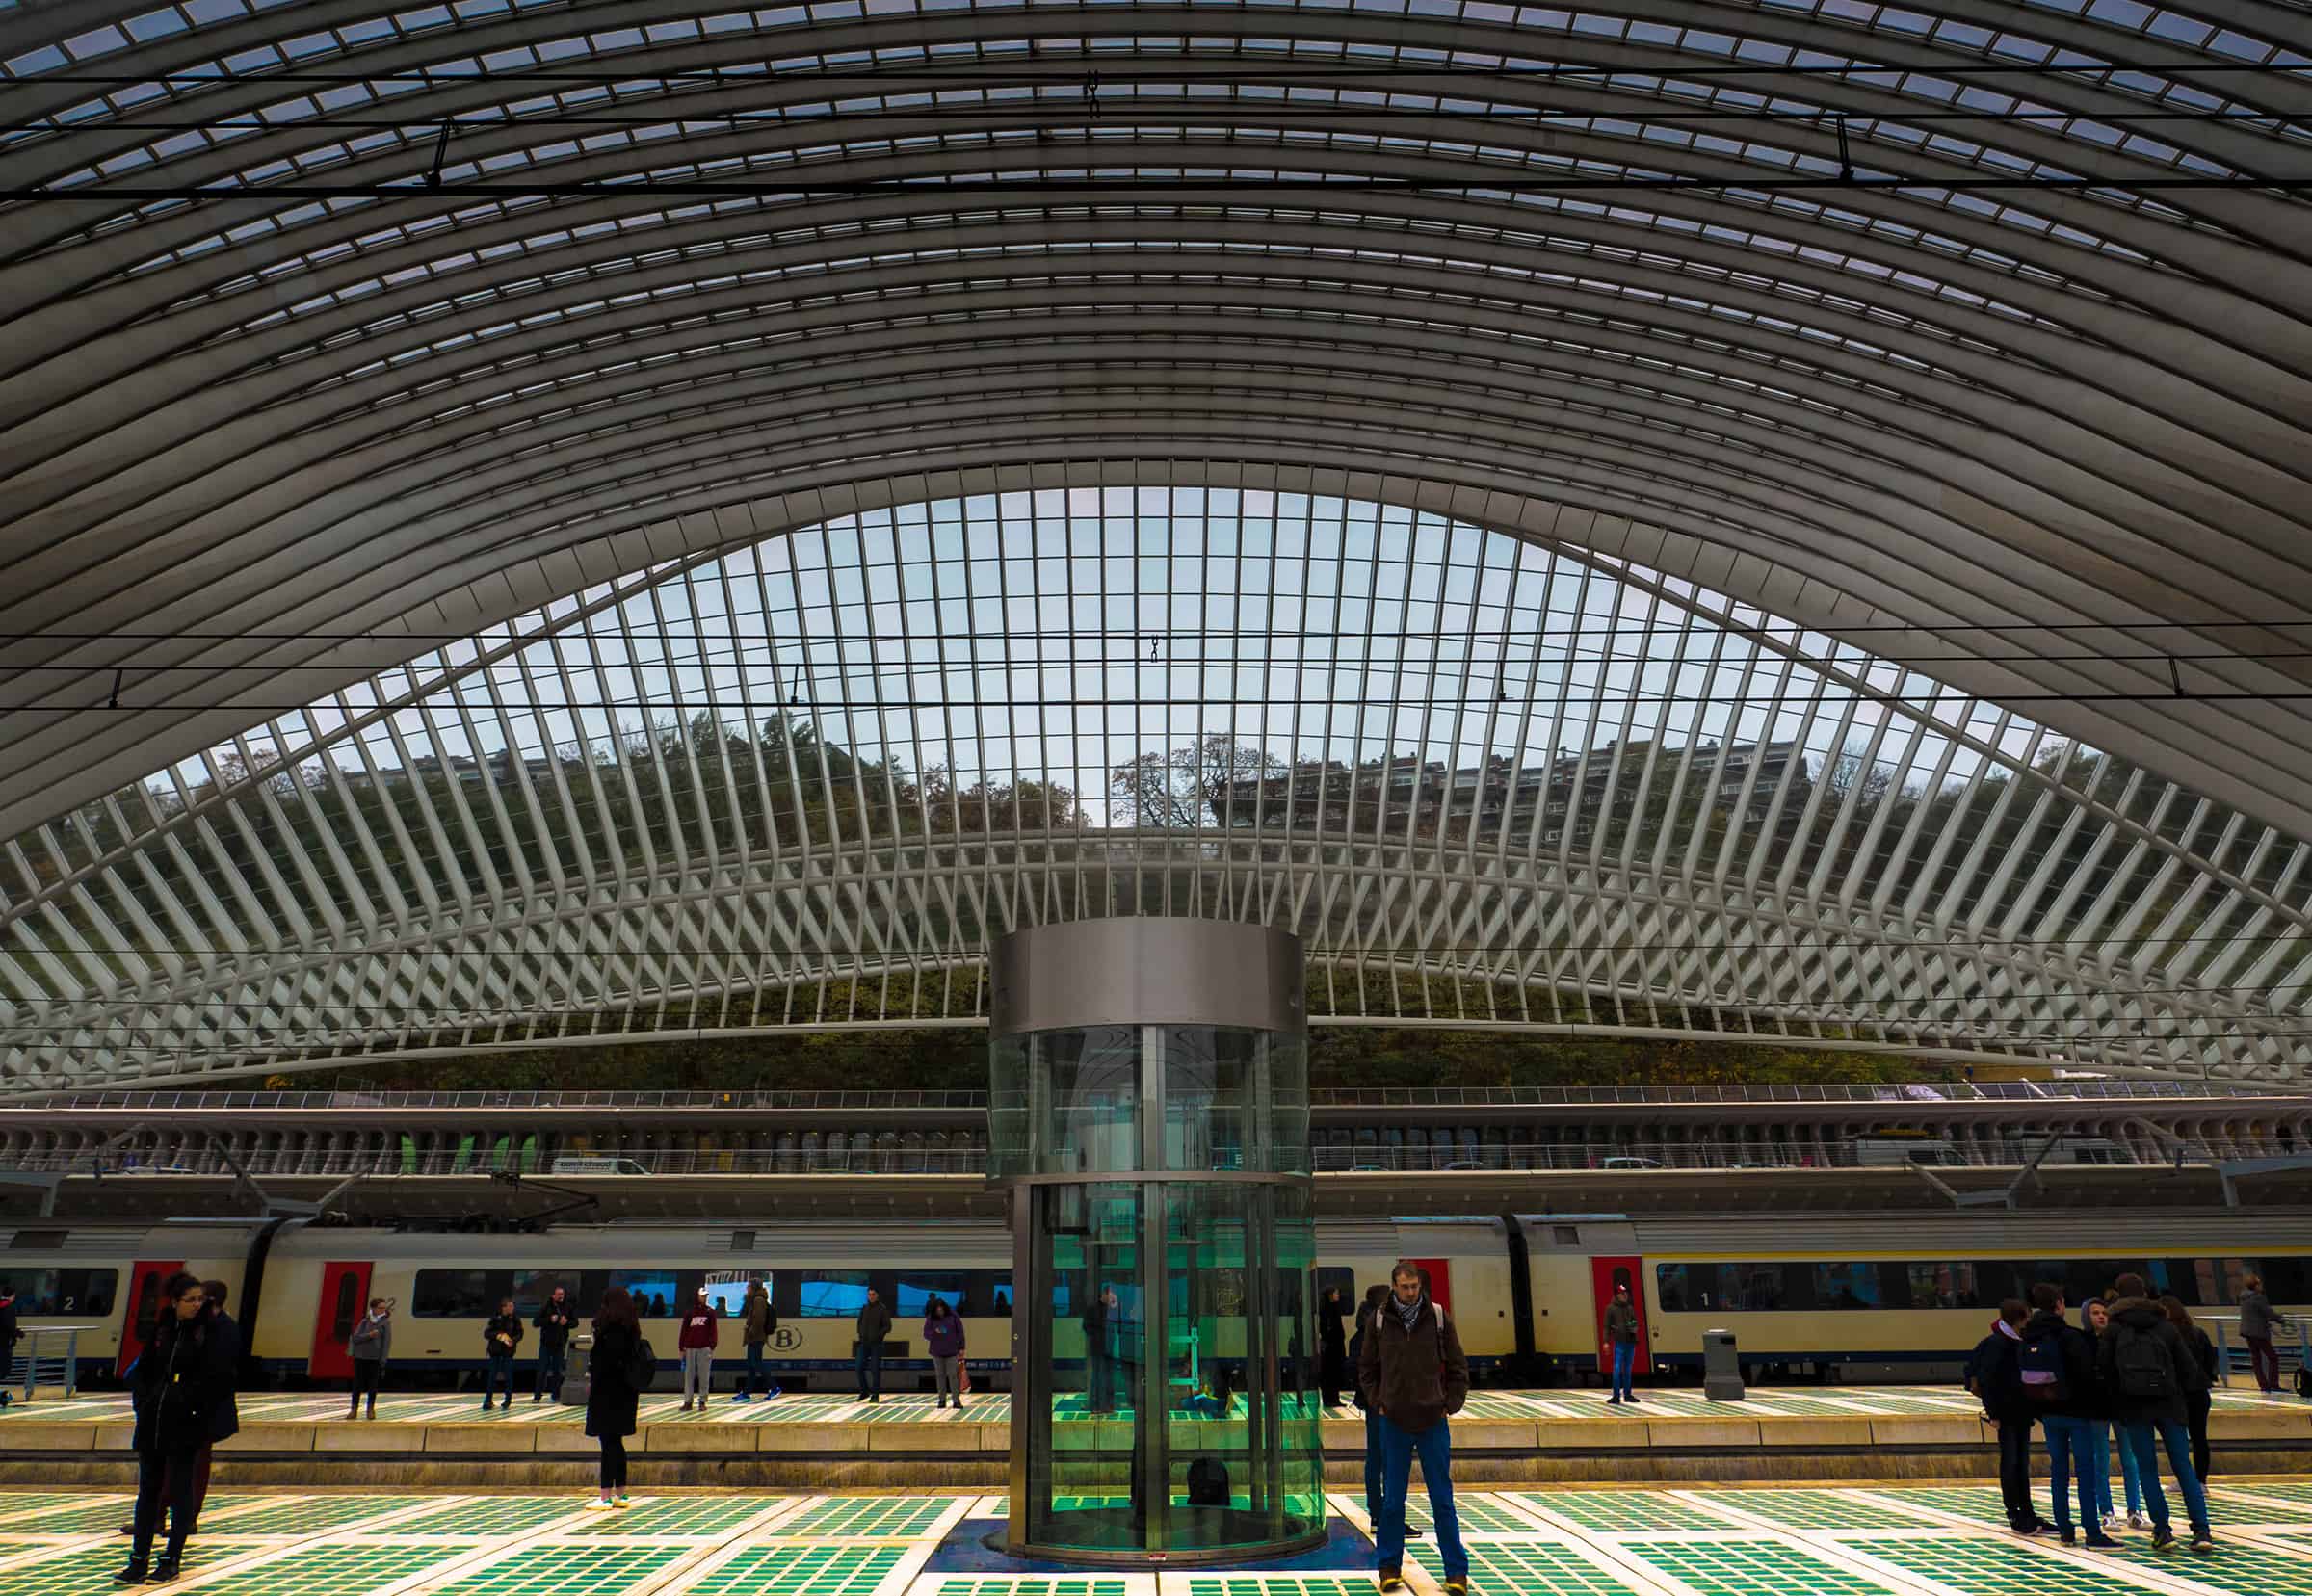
<point x="1976" y="336"/>
<point x="807" y="779"/>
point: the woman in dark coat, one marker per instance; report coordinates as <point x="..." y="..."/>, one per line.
<point x="182" y="1389"/>
<point x="2196" y="1402"/>
<point x="609" y="1398"/>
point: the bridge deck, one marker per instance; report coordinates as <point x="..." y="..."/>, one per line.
<point x="1874" y="1540"/>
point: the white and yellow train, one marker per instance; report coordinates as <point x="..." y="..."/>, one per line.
<point x="1832" y="1297"/>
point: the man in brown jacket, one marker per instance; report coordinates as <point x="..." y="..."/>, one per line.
<point x="1412" y="1372"/>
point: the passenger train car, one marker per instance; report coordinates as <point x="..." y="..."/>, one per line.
<point x="1825" y="1296"/>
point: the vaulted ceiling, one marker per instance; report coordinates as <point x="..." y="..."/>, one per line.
<point x="1977" y="337"/>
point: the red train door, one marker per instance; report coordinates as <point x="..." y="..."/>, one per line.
<point x="142" y="1304"/>
<point x="344" y="1299"/>
<point x="1439" y="1276"/>
<point x="1605" y="1273"/>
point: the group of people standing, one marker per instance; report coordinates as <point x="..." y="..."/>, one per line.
<point x="182" y="1389"/>
<point x="2132" y="1368"/>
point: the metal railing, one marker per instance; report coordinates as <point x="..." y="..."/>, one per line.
<point x="2233" y="1353"/>
<point x="49" y="1355"/>
<point x="1635" y="1157"/>
<point x="1322" y="1097"/>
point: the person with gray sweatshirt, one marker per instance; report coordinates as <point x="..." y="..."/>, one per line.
<point x="370" y="1345"/>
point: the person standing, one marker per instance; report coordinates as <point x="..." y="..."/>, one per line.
<point x="943" y="1339"/>
<point x="1995" y="1375"/>
<point x="2196" y="1402"/>
<point x="2097" y="1321"/>
<point x="613" y="1389"/>
<point x="10" y="1335"/>
<point x="2147" y="1368"/>
<point x="2057" y="1362"/>
<point x="2258" y="1319"/>
<point x="1099" y="1351"/>
<point x="1333" y="1345"/>
<point x="181" y="1389"/>
<point x="760" y="1324"/>
<point x="874" y="1327"/>
<point x="1412" y="1372"/>
<point x="368" y="1346"/>
<point x="557" y="1318"/>
<point x="701" y="1329"/>
<point x="1621" y="1335"/>
<point x="500" y="1338"/>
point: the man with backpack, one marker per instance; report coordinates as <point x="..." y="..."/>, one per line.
<point x="1412" y="1372"/>
<point x="2056" y="1361"/>
<point x="2146" y="1368"/>
<point x="1995" y="1375"/>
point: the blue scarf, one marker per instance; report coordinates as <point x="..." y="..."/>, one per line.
<point x="1409" y="1313"/>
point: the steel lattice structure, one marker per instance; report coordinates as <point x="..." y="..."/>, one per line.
<point x="1927" y="360"/>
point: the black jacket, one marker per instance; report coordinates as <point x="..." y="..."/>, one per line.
<point x="610" y="1395"/>
<point x="2138" y="1317"/>
<point x="2205" y="1351"/>
<point x="875" y="1323"/>
<point x="181" y="1387"/>
<point x="1332" y="1334"/>
<point x="509" y="1325"/>
<point x="9" y="1333"/>
<point x="2084" y="1395"/>
<point x="1995" y="1373"/>
<point x="1413" y="1379"/>
<point x="555" y="1321"/>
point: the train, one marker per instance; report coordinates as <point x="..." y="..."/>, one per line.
<point x="1829" y="1298"/>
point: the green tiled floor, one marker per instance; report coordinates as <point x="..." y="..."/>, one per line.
<point x="801" y="1571"/>
<point x="1277" y="1584"/>
<point x="493" y="1515"/>
<point x="348" y="1568"/>
<point x="1751" y="1568"/>
<point x="89" y="1571"/>
<point x="565" y="1569"/>
<point x="1037" y="1584"/>
<point x="1626" y="1511"/>
<point x="310" y="1516"/>
<point x="2245" y="1570"/>
<point x="870" y="1515"/>
<point x="1979" y="1503"/>
<point x="1984" y="1568"/>
<point x="679" y="1515"/>
<point x="1527" y="1568"/>
<point x="1475" y="1511"/>
<point x="1817" y="1511"/>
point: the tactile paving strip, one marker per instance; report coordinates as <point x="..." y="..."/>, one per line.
<point x="1817" y="1511"/>
<point x="1525" y="1568"/>
<point x="1750" y="1568"/>
<point x="870" y="1515"/>
<point x="565" y="1569"/>
<point x="1626" y="1512"/>
<point x="772" y="1570"/>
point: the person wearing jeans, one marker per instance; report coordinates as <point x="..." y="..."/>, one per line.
<point x="500" y="1339"/>
<point x="2147" y="1367"/>
<point x="2056" y="1361"/>
<point x="757" y="1322"/>
<point x="557" y="1318"/>
<point x="1621" y="1334"/>
<point x="874" y="1329"/>
<point x="701" y="1329"/>
<point x="1412" y="1373"/>
<point x="943" y="1340"/>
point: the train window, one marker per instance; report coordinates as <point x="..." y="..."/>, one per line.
<point x="913" y="1293"/>
<point x="458" y="1294"/>
<point x="832" y="1293"/>
<point x="348" y="1306"/>
<point x="532" y="1288"/>
<point x="64" y="1293"/>
<point x="1941" y="1286"/>
<point x="656" y="1293"/>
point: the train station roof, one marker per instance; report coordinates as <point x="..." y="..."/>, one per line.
<point x="528" y="522"/>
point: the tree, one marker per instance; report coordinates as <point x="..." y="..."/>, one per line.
<point x="1178" y="788"/>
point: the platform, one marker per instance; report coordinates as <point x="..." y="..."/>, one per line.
<point x="830" y="1440"/>
<point x="1880" y="1539"/>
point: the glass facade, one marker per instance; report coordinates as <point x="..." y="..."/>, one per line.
<point x="1164" y="1304"/>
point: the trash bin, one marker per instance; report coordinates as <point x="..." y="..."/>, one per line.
<point x="1721" y="1367"/>
<point x="576" y="1382"/>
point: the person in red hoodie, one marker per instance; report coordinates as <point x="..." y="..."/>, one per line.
<point x="701" y="1329"/>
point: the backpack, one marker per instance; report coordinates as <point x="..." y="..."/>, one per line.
<point x="641" y="1365"/>
<point x="2143" y="1365"/>
<point x="2045" y="1379"/>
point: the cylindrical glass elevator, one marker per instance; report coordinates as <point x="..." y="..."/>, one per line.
<point x="1151" y="1123"/>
